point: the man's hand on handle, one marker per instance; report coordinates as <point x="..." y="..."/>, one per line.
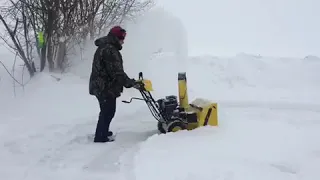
<point x="138" y="85"/>
<point x="133" y="83"/>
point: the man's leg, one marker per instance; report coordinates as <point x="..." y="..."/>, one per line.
<point x="107" y="112"/>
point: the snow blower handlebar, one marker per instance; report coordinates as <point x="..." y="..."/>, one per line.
<point x="145" y="86"/>
<point x="134" y="98"/>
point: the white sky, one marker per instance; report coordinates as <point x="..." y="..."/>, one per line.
<point x="266" y="27"/>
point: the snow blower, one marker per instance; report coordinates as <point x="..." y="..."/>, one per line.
<point x="173" y="116"/>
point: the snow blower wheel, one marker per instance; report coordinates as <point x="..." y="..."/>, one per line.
<point x="176" y="125"/>
<point x="160" y="128"/>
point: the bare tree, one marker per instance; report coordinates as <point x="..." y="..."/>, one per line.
<point x="17" y="34"/>
<point x="63" y="23"/>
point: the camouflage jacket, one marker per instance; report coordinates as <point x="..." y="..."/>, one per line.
<point x="107" y="77"/>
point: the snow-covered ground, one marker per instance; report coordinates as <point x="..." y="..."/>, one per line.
<point x="268" y="130"/>
<point x="269" y="123"/>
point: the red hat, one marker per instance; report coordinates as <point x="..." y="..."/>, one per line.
<point x="119" y="32"/>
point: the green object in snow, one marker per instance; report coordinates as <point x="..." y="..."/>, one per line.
<point x="40" y="39"/>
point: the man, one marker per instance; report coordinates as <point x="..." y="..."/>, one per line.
<point x="107" y="79"/>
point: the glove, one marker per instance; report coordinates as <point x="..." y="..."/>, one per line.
<point x="138" y="85"/>
<point x="130" y="83"/>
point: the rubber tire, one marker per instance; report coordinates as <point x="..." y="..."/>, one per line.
<point x="177" y="123"/>
<point x="160" y="128"/>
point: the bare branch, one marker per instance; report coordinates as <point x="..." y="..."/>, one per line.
<point x="63" y="23"/>
<point x="10" y="74"/>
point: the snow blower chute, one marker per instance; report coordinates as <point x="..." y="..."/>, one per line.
<point x="173" y="116"/>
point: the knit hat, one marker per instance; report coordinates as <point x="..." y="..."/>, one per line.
<point x="118" y="32"/>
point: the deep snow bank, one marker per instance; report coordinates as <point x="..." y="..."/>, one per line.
<point x="250" y="144"/>
<point x="268" y="114"/>
<point x="259" y="71"/>
<point x="254" y="78"/>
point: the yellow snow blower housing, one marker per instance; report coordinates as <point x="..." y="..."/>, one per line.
<point x="172" y="115"/>
<point x="205" y="111"/>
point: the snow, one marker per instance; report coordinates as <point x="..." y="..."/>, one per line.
<point x="268" y="109"/>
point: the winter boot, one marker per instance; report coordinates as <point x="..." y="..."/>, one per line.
<point x="109" y="133"/>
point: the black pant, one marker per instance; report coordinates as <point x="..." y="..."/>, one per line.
<point x="107" y="112"/>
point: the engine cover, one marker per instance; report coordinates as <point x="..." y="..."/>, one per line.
<point x="168" y="106"/>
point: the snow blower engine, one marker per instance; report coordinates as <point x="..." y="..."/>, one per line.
<point x="173" y="116"/>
